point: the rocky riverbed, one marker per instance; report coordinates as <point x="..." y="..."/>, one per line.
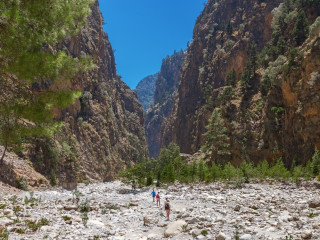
<point x="213" y="211"/>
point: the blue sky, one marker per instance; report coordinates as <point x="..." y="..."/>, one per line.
<point x="143" y="32"/>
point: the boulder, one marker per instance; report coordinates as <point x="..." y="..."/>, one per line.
<point x="314" y="203"/>
<point x="193" y="220"/>
<point x="237" y="208"/>
<point x="70" y="207"/>
<point x="306" y="234"/>
<point x="174" y="228"/>
<point x="221" y="236"/>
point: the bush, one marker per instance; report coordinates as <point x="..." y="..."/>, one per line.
<point x="273" y="71"/>
<point x="247" y="170"/>
<point x="279" y="171"/>
<point x="22" y="183"/>
<point x="297" y="173"/>
<point x="315" y="166"/>
<point x="215" y="172"/>
<point x="229" y="172"/>
<point x="149" y="179"/>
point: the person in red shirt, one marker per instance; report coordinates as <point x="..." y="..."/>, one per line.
<point x="158" y="198"/>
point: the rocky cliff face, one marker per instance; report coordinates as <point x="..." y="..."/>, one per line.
<point x="145" y="90"/>
<point x="166" y="86"/>
<point x="103" y="131"/>
<point x="258" y="122"/>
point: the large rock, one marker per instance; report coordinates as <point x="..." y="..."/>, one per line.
<point x="70" y="207"/>
<point x="314" y="203"/>
<point x="306" y="234"/>
<point x="221" y="236"/>
<point x="174" y="228"/>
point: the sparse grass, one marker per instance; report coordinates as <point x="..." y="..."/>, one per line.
<point x="15" y="221"/>
<point x="22" y="183"/>
<point x="312" y="214"/>
<point x="21" y="230"/>
<point x="34" y="226"/>
<point x="2" y="206"/>
<point x="66" y="218"/>
<point x="31" y="200"/>
<point x="184" y="227"/>
<point x="4" y="234"/>
<point x="204" y="232"/>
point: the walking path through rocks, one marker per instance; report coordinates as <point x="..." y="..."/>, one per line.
<point x="213" y="211"/>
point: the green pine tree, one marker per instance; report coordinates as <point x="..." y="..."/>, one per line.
<point x="217" y="140"/>
<point x="300" y="30"/>
<point x="315" y="162"/>
<point x="193" y="170"/>
<point x="231" y="78"/>
<point x="201" y="170"/>
<point x="30" y="70"/>
<point x="249" y="72"/>
<point x="229" y="28"/>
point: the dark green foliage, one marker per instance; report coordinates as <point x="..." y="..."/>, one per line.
<point x="149" y="179"/>
<point x="245" y="80"/>
<point x="29" y="67"/>
<point x="227" y="94"/>
<point x="229" y="28"/>
<point x="84" y="208"/>
<point x="249" y="72"/>
<point x="265" y="85"/>
<point x="315" y="162"/>
<point x="158" y="179"/>
<point x="231" y="78"/>
<point x="201" y="170"/>
<point x="300" y="30"/>
<point x="206" y="171"/>
<point x="217" y="140"/>
<point x="53" y="178"/>
<point x="22" y="183"/>
<point x="293" y="55"/>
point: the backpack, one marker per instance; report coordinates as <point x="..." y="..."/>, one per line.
<point x="167" y="206"/>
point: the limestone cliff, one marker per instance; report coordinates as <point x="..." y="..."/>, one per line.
<point x="103" y="131"/>
<point x="285" y="117"/>
<point x="166" y="86"/>
<point x="145" y="90"/>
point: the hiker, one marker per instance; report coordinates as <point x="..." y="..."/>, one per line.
<point x="153" y="194"/>
<point x="158" y="199"/>
<point x="167" y="207"/>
